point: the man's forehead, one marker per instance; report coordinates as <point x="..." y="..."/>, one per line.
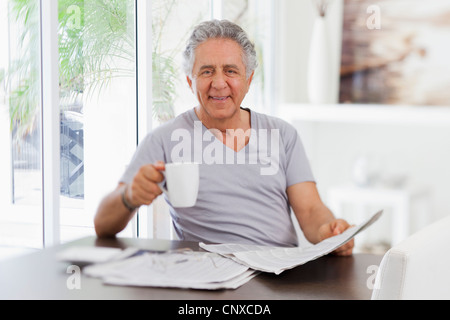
<point x="218" y="51"/>
<point x="223" y="66"/>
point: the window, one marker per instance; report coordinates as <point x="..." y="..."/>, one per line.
<point x="97" y="113"/>
<point x="20" y="125"/>
<point x="97" y="69"/>
<point x="96" y="99"/>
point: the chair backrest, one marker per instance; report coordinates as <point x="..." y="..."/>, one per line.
<point x="418" y="267"/>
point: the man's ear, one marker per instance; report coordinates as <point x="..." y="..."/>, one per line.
<point x="189" y="81"/>
<point x="250" y="80"/>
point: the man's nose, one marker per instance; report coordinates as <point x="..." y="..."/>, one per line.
<point x="219" y="81"/>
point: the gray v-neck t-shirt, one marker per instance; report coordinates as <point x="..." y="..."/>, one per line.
<point x="242" y="195"/>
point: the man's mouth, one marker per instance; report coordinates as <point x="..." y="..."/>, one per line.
<point x="219" y="98"/>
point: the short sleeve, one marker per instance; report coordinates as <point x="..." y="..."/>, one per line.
<point x="298" y="168"/>
<point x="149" y="151"/>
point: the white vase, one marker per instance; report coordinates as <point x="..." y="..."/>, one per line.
<point x="319" y="66"/>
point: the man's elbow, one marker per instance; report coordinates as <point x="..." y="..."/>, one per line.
<point x="101" y="229"/>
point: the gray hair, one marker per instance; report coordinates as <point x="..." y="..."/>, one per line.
<point x="220" y="29"/>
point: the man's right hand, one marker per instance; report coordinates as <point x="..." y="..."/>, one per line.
<point x="144" y="187"/>
<point x="113" y="215"/>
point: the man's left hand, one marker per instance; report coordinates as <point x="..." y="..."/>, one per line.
<point x="335" y="228"/>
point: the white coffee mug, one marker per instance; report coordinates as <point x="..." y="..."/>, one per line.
<point x="182" y="182"/>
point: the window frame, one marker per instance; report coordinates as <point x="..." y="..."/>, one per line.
<point x="144" y="48"/>
<point x="143" y="223"/>
<point x="50" y="110"/>
<point x="50" y="122"/>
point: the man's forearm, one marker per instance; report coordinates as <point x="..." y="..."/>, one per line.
<point x="317" y="217"/>
<point x="112" y="215"/>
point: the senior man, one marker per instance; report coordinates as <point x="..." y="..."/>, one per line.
<point x="249" y="187"/>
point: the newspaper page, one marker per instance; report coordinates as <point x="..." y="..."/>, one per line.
<point x="193" y="270"/>
<point x="276" y="259"/>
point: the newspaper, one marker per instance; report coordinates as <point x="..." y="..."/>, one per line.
<point x="192" y="270"/>
<point x="225" y="266"/>
<point x="277" y="259"/>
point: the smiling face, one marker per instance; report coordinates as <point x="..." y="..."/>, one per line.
<point x="219" y="80"/>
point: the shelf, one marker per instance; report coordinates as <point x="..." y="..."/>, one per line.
<point x="366" y="114"/>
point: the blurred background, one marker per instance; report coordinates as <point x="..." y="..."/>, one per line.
<point x="364" y="83"/>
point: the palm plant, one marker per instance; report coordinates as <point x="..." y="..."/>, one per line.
<point x="164" y="69"/>
<point x="23" y="74"/>
<point x="98" y="48"/>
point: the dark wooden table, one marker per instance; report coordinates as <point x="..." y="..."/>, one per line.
<point x="41" y="276"/>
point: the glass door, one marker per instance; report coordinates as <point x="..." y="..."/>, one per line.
<point x="97" y="68"/>
<point x="20" y="125"/>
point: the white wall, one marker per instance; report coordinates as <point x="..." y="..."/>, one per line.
<point x="419" y="152"/>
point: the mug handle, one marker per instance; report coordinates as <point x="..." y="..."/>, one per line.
<point x="160" y="185"/>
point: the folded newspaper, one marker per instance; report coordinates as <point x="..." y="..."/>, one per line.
<point x="190" y="270"/>
<point x="276" y="259"/>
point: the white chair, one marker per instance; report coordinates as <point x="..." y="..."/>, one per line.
<point x="418" y="267"/>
